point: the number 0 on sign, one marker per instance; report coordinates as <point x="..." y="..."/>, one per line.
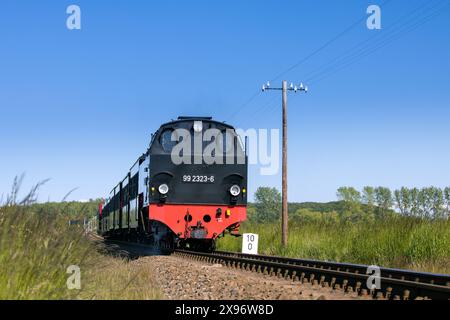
<point x="250" y="243"/>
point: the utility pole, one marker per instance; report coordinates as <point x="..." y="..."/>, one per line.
<point x="284" y="211"/>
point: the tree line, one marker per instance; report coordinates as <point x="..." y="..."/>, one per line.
<point x="369" y="204"/>
<point x="429" y="202"/>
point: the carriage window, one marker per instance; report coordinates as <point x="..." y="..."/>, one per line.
<point x="166" y="142"/>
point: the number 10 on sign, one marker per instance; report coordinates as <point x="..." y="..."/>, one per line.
<point x="250" y="243"/>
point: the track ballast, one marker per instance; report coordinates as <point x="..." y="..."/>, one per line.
<point x="396" y="284"/>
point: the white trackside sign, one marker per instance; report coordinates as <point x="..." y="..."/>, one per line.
<point x="250" y="243"/>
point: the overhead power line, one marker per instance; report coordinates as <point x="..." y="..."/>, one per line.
<point x="326" y="44"/>
<point x="387" y="36"/>
<point x="360" y="51"/>
<point x="304" y="59"/>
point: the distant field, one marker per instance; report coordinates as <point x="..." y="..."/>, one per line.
<point x="398" y="242"/>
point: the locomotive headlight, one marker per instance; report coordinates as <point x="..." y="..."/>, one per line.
<point x="163" y="189"/>
<point x="235" y="190"/>
<point x="198" y="126"/>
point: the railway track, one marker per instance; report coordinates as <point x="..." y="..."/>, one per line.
<point x="396" y="284"/>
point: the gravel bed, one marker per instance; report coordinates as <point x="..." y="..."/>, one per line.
<point x="184" y="279"/>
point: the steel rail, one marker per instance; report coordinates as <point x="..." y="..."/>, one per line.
<point x="344" y="277"/>
<point x="409" y="275"/>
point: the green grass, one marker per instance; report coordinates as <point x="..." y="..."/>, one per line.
<point x="397" y="242"/>
<point x="36" y="248"/>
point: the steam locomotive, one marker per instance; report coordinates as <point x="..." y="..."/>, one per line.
<point x="187" y="190"/>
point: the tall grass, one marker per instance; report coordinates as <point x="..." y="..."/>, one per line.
<point x="36" y="248"/>
<point x="397" y="242"/>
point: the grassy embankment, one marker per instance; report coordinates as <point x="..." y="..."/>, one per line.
<point x="37" y="246"/>
<point x="398" y="242"/>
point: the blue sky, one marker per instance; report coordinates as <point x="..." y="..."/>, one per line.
<point x="79" y="106"/>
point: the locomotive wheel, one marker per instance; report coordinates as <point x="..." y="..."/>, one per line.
<point x="181" y="244"/>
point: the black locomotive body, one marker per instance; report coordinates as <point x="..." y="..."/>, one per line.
<point x="188" y="189"/>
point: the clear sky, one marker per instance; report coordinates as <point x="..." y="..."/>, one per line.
<point x="78" y="106"/>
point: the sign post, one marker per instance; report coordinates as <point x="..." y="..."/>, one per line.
<point x="250" y="243"/>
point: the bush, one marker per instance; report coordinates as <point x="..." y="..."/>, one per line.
<point x="305" y="216"/>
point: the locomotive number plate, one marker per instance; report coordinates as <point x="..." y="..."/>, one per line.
<point x="198" y="178"/>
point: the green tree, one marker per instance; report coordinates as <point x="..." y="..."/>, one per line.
<point x="267" y="204"/>
<point x="426" y="202"/>
<point x="447" y="201"/>
<point x="383" y="199"/>
<point x="348" y="194"/>
<point x="406" y="200"/>
<point x="398" y="201"/>
<point x="437" y="203"/>
<point x="368" y="195"/>
<point x="368" y="198"/>
<point x="402" y="200"/>
<point x="422" y="203"/>
<point x="415" y="202"/>
<point x="352" y="203"/>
